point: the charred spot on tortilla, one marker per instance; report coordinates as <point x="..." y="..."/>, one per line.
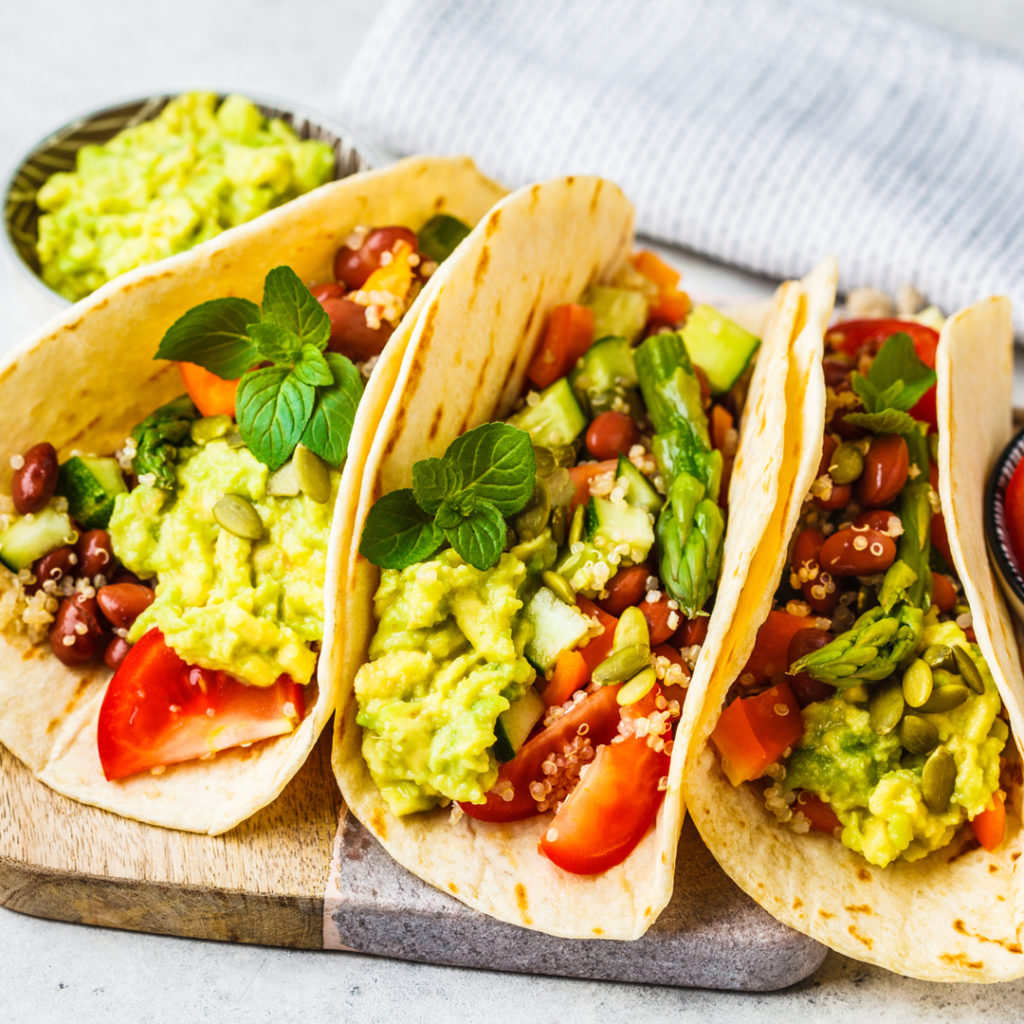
<point x="863" y="874"/>
<point x="797" y="903"/>
<point x="861" y="908"/>
<point x="993" y="868"/>
<point x="595" y="197"/>
<point x="492" y="224"/>
<point x="435" y="424"/>
<point x="863" y="939"/>
<point x="481" y="269"/>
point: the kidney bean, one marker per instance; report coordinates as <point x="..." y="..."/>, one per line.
<point x="123" y="603"/>
<point x="837" y="372"/>
<point x="351" y="335"/>
<point x="657" y="613"/>
<point x="886" y="468"/>
<point x="880" y="519"/>
<point x="611" y="434"/>
<point x="54" y="565"/>
<point x="329" y="290"/>
<point x="853" y="552"/>
<point x="692" y="632"/>
<point x="95" y="553"/>
<point x="805" y="687"/>
<point x="828" y="446"/>
<point x="353" y="266"/>
<point x="115" y="653"/>
<point x="34" y="483"/>
<point x="77" y="630"/>
<point x="822" y="593"/>
<point x="124" y="575"/>
<point x="943" y="592"/>
<point x="806" y="548"/>
<point x="625" y="589"/>
<point x="839" y="498"/>
<point x="657" y="326"/>
<point x="847" y="431"/>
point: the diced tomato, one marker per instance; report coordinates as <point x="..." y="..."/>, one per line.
<point x="940" y="539"/>
<point x="582" y="475"/>
<point x="158" y="710"/>
<point x="211" y="395"/>
<point x="655" y="269"/>
<point x="612" y="434"/>
<point x="692" y="631"/>
<point x="818" y="813"/>
<point x="752" y="732"/>
<point x="570" y="674"/>
<point x="673" y="305"/>
<point x="721" y="423"/>
<point x="601" y="713"/>
<point x="570" y="332"/>
<point x="613" y="806"/>
<point x="625" y="589"/>
<point x="1014" y="503"/>
<point x="600" y="646"/>
<point x="659" y="618"/>
<point x="769" y="659"/>
<point x="672" y="691"/>
<point x="989" y="826"/>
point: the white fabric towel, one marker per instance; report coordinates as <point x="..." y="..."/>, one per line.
<point x="762" y="133"/>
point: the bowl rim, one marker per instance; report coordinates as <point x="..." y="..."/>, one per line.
<point x="372" y="156"/>
<point x="996" y="534"/>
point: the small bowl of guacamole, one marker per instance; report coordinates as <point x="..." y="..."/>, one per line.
<point x="139" y="181"/>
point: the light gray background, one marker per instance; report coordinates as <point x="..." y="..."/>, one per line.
<point x="62" y="57"/>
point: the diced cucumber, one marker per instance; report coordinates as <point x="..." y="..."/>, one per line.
<point x="90" y="483"/>
<point x="619" y="311"/>
<point x="557" y="627"/>
<point x="606" y="373"/>
<point x="588" y="569"/>
<point x="721" y="348"/>
<point x="31" y="537"/>
<point x="623" y="528"/>
<point x="639" y="490"/>
<point x="440" y="236"/>
<point x="515" y="724"/>
<point x="555" y="419"/>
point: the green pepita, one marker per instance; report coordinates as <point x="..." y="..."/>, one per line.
<point x="847" y="464"/>
<point x="560" y="524"/>
<point x="576" y="526"/>
<point x="237" y="516"/>
<point x="945" y="698"/>
<point x="622" y="664"/>
<point x="631" y="630"/>
<point x="917" y="683"/>
<point x="918" y="735"/>
<point x="938" y="779"/>
<point x="939" y="656"/>
<point x="313" y="475"/>
<point x="966" y="667"/>
<point x="284" y="482"/>
<point x="933" y="446"/>
<point x="531" y="521"/>
<point x="545" y="460"/>
<point x="886" y="707"/>
<point x="234" y="440"/>
<point x="559" y="585"/>
<point x="637" y="687"/>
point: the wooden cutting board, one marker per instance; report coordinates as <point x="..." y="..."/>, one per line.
<point x="265" y="882"/>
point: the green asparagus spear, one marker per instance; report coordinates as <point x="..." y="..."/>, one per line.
<point x="157" y="439"/>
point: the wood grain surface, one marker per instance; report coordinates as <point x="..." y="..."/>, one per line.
<point x="262" y="882"/>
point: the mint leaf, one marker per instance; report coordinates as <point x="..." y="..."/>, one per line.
<point x="276" y="343"/>
<point x="214" y="335"/>
<point x="273" y="408"/>
<point x="497" y="465"/>
<point x="288" y="303"/>
<point x="433" y="480"/>
<point x="398" y="533"/>
<point x="887" y="421"/>
<point x="334" y="411"/>
<point x="480" y="538"/>
<point x="312" y="367"/>
<point x="896" y="379"/>
<point x="454" y="509"/>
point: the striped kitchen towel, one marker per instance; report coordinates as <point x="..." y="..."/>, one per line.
<point x="762" y="133"/>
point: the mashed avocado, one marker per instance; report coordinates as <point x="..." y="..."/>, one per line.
<point x="874" y="785"/>
<point x="165" y="185"/>
<point x="249" y="608"/>
<point x="446" y="660"/>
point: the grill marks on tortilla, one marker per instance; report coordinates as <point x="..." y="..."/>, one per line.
<point x="419" y="357"/>
<point x="1010" y="947"/>
<point x="521" y="903"/>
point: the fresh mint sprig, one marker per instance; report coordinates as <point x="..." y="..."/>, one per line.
<point x="462" y="498"/>
<point x="305" y="395"/>
<point x="895" y="382"/>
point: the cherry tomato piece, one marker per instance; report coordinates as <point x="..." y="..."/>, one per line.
<point x="660" y="621"/>
<point x="582" y="475"/>
<point x="570" y="674"/>
<point x="989" y="826"/>
<point x="612" y="434"/>
<point x="625" y="589"/>
<point x="1014" y="503"/>
<point x="568" y="335"/>
<point x="211" y="395"/>
<point x="769" y="658"/>
<point x="943" y="592"/>
<point x="353" y="266"/>
<point x="818" y="813"/>
<point x="598" y="647"/>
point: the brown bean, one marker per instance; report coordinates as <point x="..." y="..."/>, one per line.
<point x="805" y="687"/>
<point x="115" y="652"/>
<point x="123" y="603"/>
<point x="943" y="592"/>
<point x="95" y="554"/>
<point x="828" y="446"/>
<point x="54" y="565"/>
<point x="886" y="468"/>
<point x="353" y="266"/>
<point x="806" y="549"/>
<point x="351" y="335"/>
<point x="839" y="498"/>
<point x="822" y="593"/>
<point x="853" y="552"/>
<point x="77" y="630"/>
<point x="880" y="519"/>
<point x="847" y="431"/>
<point x="34" y="483"/>
<point x="329" y="290"/>
<point x="837" y="372"/>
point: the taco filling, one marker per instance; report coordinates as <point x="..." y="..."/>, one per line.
<point x="866" y="709"/>
<point x="546" y="584"/>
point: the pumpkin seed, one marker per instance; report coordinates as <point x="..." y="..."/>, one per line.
<point x="918" y="735"/>
<point x="945" y="698"/>
<point x="939" y="656"/>
<point x="966" y="667"/>
<point x="886" y="707"/>
<point x="560" y="524"/>
<point x="631" y="630"/>
<point x="559" y="585"/>
<point x="933" y="446"/>
<point x="234" y="440"/>
<point x="531" y="521"/>
<point x="917" y="683"/>
<point x="637" y="687"/>
<point x="576" y="526"/>
<point x="313" y="475"/>
<point x="847" y="464"/>
<point x="545" y="460"/>
<point x="237" y="516"/>
<point x="284" y="482"/>
<point x="944" y="678"/>
<point x="622" y="664"/>
<point x="938" y="779"/>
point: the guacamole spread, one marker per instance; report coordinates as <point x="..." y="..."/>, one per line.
<point x="165" y="185"/>
<point x="875" y="792"/>
<point x="445" y="662"/>
<point x="249" y="608"/>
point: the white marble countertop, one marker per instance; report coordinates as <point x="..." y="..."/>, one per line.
<point x="62" y="57"/>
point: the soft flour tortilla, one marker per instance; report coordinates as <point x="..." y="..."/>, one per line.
<point x="89" y="377"/>
<point x="955" y="915"/>
<point x="465" y="365"/>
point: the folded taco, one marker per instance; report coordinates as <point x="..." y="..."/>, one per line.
<point x="166" y="558"/>
<point x="854" y="761"/>
<point x="535" y="562"/>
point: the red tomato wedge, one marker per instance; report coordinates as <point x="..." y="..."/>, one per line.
<point x="158" y="710"/>
<point x="582" y="475"/>
<point x="601" y="713"/>
<point x="818" y="813"/>
<point x="753" y="732"/>
<point x="211" y="395"/>
<point x="1014" y="503"/>
<point x="770" y="657"/>
<point x="570" y="674"/>
<point x="570" y="332"/>
<point x="599" y="646"/>
<point x="854" y="333"/>
<point x="940" y="539"/>
<point x="989" y="826"/>
<point x="613" y="806"/>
